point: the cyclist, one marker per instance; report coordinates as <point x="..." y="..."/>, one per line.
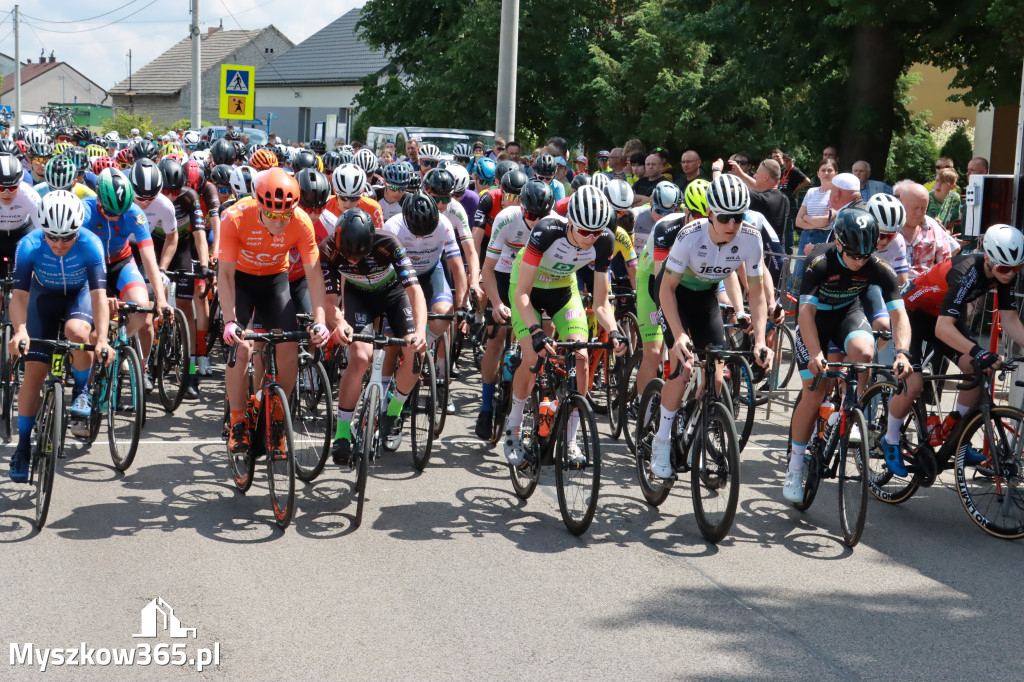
<point x="888" y="211"/>
<point x="469" y="199"/>
<point x="314" y="192"/>
<point x="253" y="278"/>
<point x="544" y="169"/>
<point x="39" y="154"/>
<point x="349" y="183"/>
<point x="704" y="253"/>
<point x="665" y="200"/>
<point x="396" y="179"/>
<point x="368" y="272"/>
<point x="19" y="204"/>
<point x="509" y="234"/>
<point x="58" y="275"/>
<point x="937" y="306"/>
<point x="428" y="158"/>
<point x="831" y="311"/>
<point x="544" y="280"/>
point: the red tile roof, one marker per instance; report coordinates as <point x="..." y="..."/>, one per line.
<point x="28" y="72"/>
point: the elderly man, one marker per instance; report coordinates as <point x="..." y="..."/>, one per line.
<point x="765" y="196"/>
<point x="977" y="166"/>
<point x="869" y="187"/>
<point x="927" y="242"/>
<point x="690" y="163"/>
<point x="617" y="163"/>
<point x="643" y="187"/>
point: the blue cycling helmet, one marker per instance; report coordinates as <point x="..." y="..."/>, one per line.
<point x="485" y="168"/>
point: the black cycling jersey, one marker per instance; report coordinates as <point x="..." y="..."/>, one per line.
<point x="188" y="213"/>
<point x="828" y="284"/>
<point x="385" y="265"/>
<point x="948" y="287"/>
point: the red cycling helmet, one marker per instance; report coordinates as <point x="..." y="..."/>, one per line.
<point x="194" y="176"/>
<point x="102" y="162"/>
<point x="125" y="159"/>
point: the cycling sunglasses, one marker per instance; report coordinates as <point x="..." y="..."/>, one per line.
<point x="62" y="240"/>
<point x="278" y="215"/>
<point x="545" y="178"/>
<point x="508" y="196"/>
<point x="725" y="218"/>
<point x="857" y="256"/>
<point x="6" y="189"/>
<point x="1006" y="269"/>
<point x="348" y="199"/>
<point x="396" y="188"/>
<point x="428" y="163"/>
<point x="224" y="190"/>
<point x="589" y="233"/>
<point x="441" y="199"/>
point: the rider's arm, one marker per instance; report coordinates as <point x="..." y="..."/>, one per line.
<point x="226" y="289"/>
<point x="153" y="273"/>
<point x="667" y="296"/>
<point x="734" y="291"/>
<point x="603" y="309"/>
<point x="524" y="286"/>
<point x="490" y="281"/>
<point x="947" y="332"/>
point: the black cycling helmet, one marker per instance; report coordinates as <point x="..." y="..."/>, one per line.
<point x="856" y="231"/>
<point x="9" y="146"/>
<point x="537" y="198"/>
<point x="314" y="188"/>
<point x="504" y="167"/>
<point x="41" y="150"/>
<point x="10" y="170"/>
<point x="81" y="159"/>
<point x="513" y="182"/>
<point x="318" y="146"/>
<point x="223" y="151"/>
<point x="303" y="159"/>
<point x="438" y="182"/>
<point x="579" y="180"/>
<point x="420" y="212"/>
<point x="331" y="160"/>
<point x="232" y="135"/>
<point x="221" y="175"/>
<point x="545" y="165"/>
<point x="145" y="149"/>
<point x="353" y="234"/>
<point x="173" y="174"/>
<point x="146" y="178"/>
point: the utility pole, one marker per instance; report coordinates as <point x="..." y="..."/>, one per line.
<point x="196" y="69"/>
<point x="17" y="69"/>
<point x="1018" y="161"/>
<point x="508" y="55"/>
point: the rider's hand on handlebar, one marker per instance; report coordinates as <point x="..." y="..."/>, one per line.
<point x="500" y="313"/>
<point x="763" y="355"/>
<point x="818" y="365"/>
<point x="342" y="334"/>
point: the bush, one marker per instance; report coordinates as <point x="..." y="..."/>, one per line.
<point x="959" y="147"/>
<point x="912" y="155"/>
<point x="123" y="122"/>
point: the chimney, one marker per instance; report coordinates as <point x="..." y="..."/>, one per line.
<point x="213" y="29"/>
<point x="52" y="58"/>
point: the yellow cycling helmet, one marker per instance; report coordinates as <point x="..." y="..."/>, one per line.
<point x="696" y="196"/>
<point x="94" y="151"/>
<point x="61" y="147"/>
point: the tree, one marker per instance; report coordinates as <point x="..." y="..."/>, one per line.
<point x="123" y="122"/>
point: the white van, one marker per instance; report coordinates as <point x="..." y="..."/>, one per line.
<point x="444" y="138"/>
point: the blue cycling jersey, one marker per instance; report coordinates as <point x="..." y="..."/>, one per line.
<point x="35" y="263"/>
<point x="114" y="234"/>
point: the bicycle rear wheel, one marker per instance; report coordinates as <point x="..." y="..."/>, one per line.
<point x="313" y="418"/>
<point x="853" y="477"/>
<point x="444" y="381"/>
<point x="369" y="420"/>
<point x="49" y="443"/>
<point x="280" y="455"/>
<point x="715" y="473"/>
<point x="992" y="489"/>
<point x="124" y="407"/>
<point x="577" y="484"/>
<point x="785" y="359"/>
<point x="424" y="412"/>
<point x="647" y="421"/>
<point x="629" y="401"/>
<point x="630" y="328"/>
<point x="173" y="362"/>
<point x="883" y="484"/>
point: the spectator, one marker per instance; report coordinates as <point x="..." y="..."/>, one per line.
<point x="869" y="187"/>
<point x="927" y="243"/>
<point x="816" y="215"/>
<point x="943" y="201"/>
<point x="412" y="153"/>
<point x="602" y="161"/>
<point x="743" y="160"/>
<point x="846" y="193"/>
<point x="499" y="147"/>
<point x="941" y="164"/>
<point x="618" y="168"/>
<point x="389" y="148"/>
<point x="356" y="145"/>
<point x="643" y="187"/>
<point x="977" y="166"/>
<point x="636" y="167"/>
<point x="765" y="196"/>
<point x="561" y="174"/>
<point x="514" y="151"/>
<point x="581" y="164"/>
<point x="831" y="152"/>
<point x="792" y="182"/>
<point x="691" y="170"/>
<point x="387" y="157"/>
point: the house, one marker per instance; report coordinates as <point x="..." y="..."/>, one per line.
<point x="317" y="81"/>
<point x="6" y="65"/>
<point x="49" y="80"/>
<point x="163" y="88"/>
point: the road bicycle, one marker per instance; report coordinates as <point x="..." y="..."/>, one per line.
<point x="313" y="415"/>
<point x="170" y="357"/>
<point x="10" y="368"/>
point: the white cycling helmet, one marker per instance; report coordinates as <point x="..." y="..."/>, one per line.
<point x="599" y="180"/>
<point x="1004" y="245"/>
<point x="60" y="213"/>
<point x="348" y="181"/>
<point x="429" y="151"/>
<point x="36" y="136"/>
<point x="366" y="160"/>
<point x="888" y="212"/>
<point x="200" y="156"/>
<point x="112" y="136"/>
<point x="242" y="181"/>
<point x="190" y="137"/>
<point x="728" y="194"/>
<point x="666" y="196"/>
<point x="461" y="177"/>
<point x="589" y="209"/>
<point x="619" y="194"/>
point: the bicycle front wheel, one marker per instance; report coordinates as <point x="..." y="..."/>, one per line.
<point x="853" y="479"/>
<point x="173" y="362"/>
<point x="280" y="455"/>
<point x="647" y="422"/>
<point x="369" y="422"/>
<point x="443" y="374"/>
<point x="313" y="419"/>
<point x="715" y="474"/>
<point x="990" y="472"/>
<point x="124" y="407"/>
<point x="424" y="405"/>
<point x="883" y="484"/>
<point x="526" y="475"/>
<point x="577" y="464"/>
<point x="6" y="384"/>
<point x="49" y="443"/>
<point x="629" y="400"/>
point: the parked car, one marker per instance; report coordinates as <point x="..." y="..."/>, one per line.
<point x="444" y="138"/>
<point x="256" y="135"/>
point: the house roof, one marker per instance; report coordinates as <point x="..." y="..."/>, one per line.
<point x="28" y="72"/>
<point x="170" y="72"/>
<point x="333" y="55"/>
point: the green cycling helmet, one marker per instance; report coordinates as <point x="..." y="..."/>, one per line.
<point x="115" y="193"/>
<point x="696" y="196"/>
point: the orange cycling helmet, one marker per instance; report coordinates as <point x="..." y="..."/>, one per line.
<point x="263" y="159"/>
<point x="276" y="190"/>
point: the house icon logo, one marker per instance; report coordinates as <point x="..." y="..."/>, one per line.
<point x="158" y="616"/>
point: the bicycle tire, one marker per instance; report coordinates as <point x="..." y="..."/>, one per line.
<point x="173" y="363"/>
<point x="96" y="414"/>
<point x="442" y="371"/>
<point x="882" y="483"/>
<point x="617" y="382"/>
<point x="49" y="443"/>
<point x="647" y="421"/>
<point x="629" y="403"/>
<point x="630" y="328"/>
<point x="280" y="465"/>
<point x="526" y="476"/>
<point x="313" y="418"/>
<point x="241" y="464"/>
<point x="744" y="399"/>
<point x="813" y="464"/>
<point x="124" y="407"/>
<point x="852" y="476"/>
<point x="6" y="385"/>
<point x="502" y="401"/>
<point x="578" y="486"/>
<point x="424" y="408"/>
<point x="137" y="345"/>
<point x="368" y="438"/>
<point x="715" y="473"/>
<point x="992" y="492"/>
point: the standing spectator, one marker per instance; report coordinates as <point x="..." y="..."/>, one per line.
<point x="514" y="151"/>
<point x="356" y="145"/>
<point x="637" y="162"/>
<point x="792" y="182"/>
<point x="831" y="152"/>
<point x="943" y="200"/>
<point x="977" y="166"/>
<point x="618" y="168"/>
<point x="765" y="196"/>
<point x="815" y="215"/>
<point x="389" y="147"/>
<point x="499" y="147"/>
<point x="561" y="174"/>
<point x="602" y="161"/>
<point x="941" y="164"/>
<point x="412" y="152"/>
<point x="742" y="159"/>
<point x="846" y="193"/>
<point x="643" y="187"/>
<point x="869" y="187"/>
<point x="581" y="164"/>
<point x="691" y="170"/>
<point x="927" y="243"/>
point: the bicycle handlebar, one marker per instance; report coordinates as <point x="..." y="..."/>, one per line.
<point x="273" y="336"/>
<point x="378" y="341"/>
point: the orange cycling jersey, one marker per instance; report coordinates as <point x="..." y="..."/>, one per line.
<point x="249" y="245"/>
<point x="366" y="203"/>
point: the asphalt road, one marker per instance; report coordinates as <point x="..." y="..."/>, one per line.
<point x="452" y="577"/>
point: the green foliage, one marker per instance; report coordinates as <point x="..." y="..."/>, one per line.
<point x="959" y="148"/>
<point x="183" y="123"/>
<point x="360" y="127"/>
<point x="912" y="154"/>
<point x="123" y="122"/>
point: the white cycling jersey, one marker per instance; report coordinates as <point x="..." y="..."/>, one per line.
<point x="702" y="264"/>
<point x="895" y="254"/>
<point x="425" y="252"/>
<point x="160" y="214"/>
<point x="22" y="210"/>
<point x="389" y="209"/>
<point x="459" y="219"/>
<point x="509" y="235"/>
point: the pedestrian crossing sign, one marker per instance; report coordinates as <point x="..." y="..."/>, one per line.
<point x="237" y="92"/>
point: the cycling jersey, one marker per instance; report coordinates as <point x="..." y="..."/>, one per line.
<point x="115" y="233"/>
<point x="248" y="244"/>
<point x="895" y="255"/>
<point x="556" y="259"/>
<point x="659" y="243"/>
<point x="79" y="190"/>
<point x="22" y="210"/>
<point x="770" y="244"/>
<point x="388" y="209"/>
<point x="425" y="252"/>
<point x="209" y="199"/>
<point x="320" y="231"/>
<point x="702" y="264"/>
<point x="624" y="248"/>
<point x="948" y="287"/>
<point x="188" y="215"/>
<point x="509" y="235"/>
<point x="457" y="216"/>
<point x="828" y="284"/>
<point x="385" y="265"/>
<point x="36" y="264"/>
<point x="644" y="220"/>
<point x="366" y="203"/>
<point x="488" y="210"/>
<point x="160" y="215"/>
<point x="470" y="201"/>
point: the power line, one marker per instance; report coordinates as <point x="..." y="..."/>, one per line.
<point x="79" y="21"/>
<point x="96" y="28"/>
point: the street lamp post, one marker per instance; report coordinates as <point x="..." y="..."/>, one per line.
<point x="508" y="55"/>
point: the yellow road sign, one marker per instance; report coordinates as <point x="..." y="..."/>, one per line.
<point x="237" y="92"/>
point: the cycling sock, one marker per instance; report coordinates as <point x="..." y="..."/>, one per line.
<point x="81" y="380"/>
<point x="25" y="425"/>
<point x="431" y="337"/>
<point x="201" y="341"/>
<point x="192" y="365"/>
<point x="796" y="460"/>
<point x="396" y="404"/>
<point x="665" y="425"/>
<point x="962" y="409"/>
<point x="515" y="417"/>
<point x="892" y="434"/>
<point x="574" y="426"/>
<point x="487" y="402"/>
<point x="237" y="416"/>
<point x="344" y="428"/>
